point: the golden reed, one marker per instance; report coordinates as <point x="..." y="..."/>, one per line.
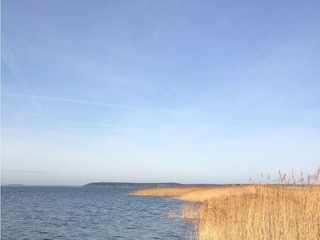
<point x="287" y="210"/>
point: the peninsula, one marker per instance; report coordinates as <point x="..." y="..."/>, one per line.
<point x="145" y="185"/>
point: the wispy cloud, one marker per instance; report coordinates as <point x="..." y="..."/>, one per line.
<point x="61" y="121"/>
<point x="86" y="102"/>
<point x="27" y="172"/>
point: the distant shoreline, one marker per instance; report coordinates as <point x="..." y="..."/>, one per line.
<point x="150" y="185"/>
<point x="23" y="185"/>
<point x="127" y="185"/>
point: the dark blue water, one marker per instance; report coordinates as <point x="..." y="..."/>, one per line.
<point x="86" y="213"/>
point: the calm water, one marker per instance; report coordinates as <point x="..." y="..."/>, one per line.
<point x="86" y="213"/>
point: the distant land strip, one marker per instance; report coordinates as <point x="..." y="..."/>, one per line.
<point x="151" y="185"/>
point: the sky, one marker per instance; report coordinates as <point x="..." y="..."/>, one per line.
<point x="158" y="91"/>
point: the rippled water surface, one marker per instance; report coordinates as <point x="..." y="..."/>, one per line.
<point x="85" y="213"/>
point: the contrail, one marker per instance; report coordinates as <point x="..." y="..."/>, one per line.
<point x="76" y="101"/>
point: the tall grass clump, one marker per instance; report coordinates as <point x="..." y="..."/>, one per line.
<point x="283" y="211"/>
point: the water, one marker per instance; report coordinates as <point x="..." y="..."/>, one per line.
<point x="86" y="213"/>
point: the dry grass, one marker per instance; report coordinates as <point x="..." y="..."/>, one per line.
<point x="175" y="192"/>
<point x="194" y="194"/>
<point x="289" y="210"/>
<point x="271" y="213"/>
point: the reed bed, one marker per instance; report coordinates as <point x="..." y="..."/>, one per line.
<point x="287" y="210"/>
<point x="174" y="192"/>
<point x="202" y="195"/>
<point x="270" y="213"/>
<point x="194" y="194"/>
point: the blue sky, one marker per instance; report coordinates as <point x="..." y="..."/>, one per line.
<point x="158" y="91"/>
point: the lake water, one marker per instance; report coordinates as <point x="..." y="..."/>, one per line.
<point x="86" y="213"/>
